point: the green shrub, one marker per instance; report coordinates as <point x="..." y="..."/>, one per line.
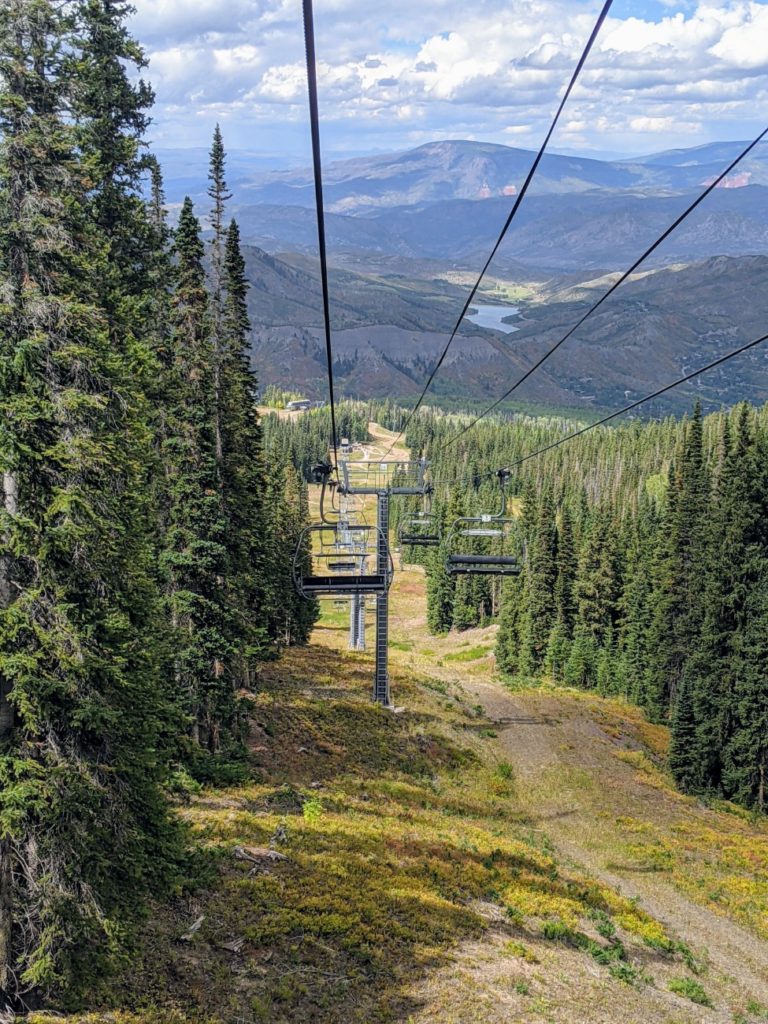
<point x="691" y="989"/>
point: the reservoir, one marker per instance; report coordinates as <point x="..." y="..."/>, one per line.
<point x="491" y="316"/>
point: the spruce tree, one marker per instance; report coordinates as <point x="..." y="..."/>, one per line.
<point x="440" y="592"/>
<point x="195" y="558"/>
<point x="243" y="477"/>
<point x="508" y="636"/>
<point x="84" y="825"/>
<point x="219" y="195"/>
<point x="677" y="600"/>
<point x="540" y="580"/>
<point x="566" y="563"/>
<point x="683" y="750"/>
<point x="110" y="107"/>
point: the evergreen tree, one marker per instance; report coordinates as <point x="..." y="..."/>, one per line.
<point x="242" y="470"/>
<point x="677" y="606"/>
<point x="596" y="590"/>
<point x="110" y="109"/>
<point x="85" y="833"/>
<point x="219" y="195"/>
<point x="565" y="603"/>
<point x="539" y="612"/>
<point x="508" y="636"/>
<point x="440" y="592"/>
<point x="683" y="750"/>
<point x="195" y="557"/>
<point x="464" y="610"/>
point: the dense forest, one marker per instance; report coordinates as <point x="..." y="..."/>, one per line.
<point x="146" y="536"/>
<point x="644" y="553"/>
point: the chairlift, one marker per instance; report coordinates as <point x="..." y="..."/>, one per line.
<point x="486" y="531"/>
<point x="328" y="563"/>
<point x="421" y="530"/>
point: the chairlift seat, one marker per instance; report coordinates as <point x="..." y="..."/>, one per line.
<point x="348" y="584"/>
<point x="416" y="540"/>
<point x="482" y="565"/>
<point x="483" y="570"/>
<point x="482" y="533"/>
<point x="482" y="560"/>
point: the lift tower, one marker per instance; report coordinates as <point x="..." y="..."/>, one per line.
<point x="383" y="480"/>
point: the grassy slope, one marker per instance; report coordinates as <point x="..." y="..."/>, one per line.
<point x="402" y="839"/>
<point x="463" y="861"/>
<point x="416" y="886"/>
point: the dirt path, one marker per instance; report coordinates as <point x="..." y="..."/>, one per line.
<point x="548" y="737"/>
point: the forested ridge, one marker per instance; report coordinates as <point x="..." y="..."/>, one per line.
<point x="145" y="538"/>
<point x="644" y="552"/>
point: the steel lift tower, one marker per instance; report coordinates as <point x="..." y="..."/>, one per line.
<point x="382" y="480"/>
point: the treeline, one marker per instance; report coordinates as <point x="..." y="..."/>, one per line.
<point x="145" y="539"/>
<point x="645" y="573"/>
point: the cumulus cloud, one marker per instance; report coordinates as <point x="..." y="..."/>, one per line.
<point x="494" y="70"/>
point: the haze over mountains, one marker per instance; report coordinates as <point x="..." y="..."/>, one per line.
<point x="407" y="233"/>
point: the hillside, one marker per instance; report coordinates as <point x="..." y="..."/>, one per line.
<point x="554" y="233"/>
<point x="390" y="329"/>
<point x="486" y="855"/>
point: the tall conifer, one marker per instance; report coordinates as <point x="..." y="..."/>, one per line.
<point x="84" y="827"/>
<point x="195" y="558"/>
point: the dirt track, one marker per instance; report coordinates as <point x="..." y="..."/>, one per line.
<point x="541" y="734"/>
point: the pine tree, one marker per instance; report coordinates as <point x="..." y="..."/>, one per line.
<point x="243" y="478"/>
<point x="440" y="592"/>
<point x="540" y="579"/>
<point x="508" y="636"/>
<point x="565" y="603"/>
<point x="683" y="751"/>
<point x="219" y="195"/>
<point x="596" y="589"/>
<point x="195" y="557"/>
<point x="85" y="829"/>
<point x="745" y="758"/>
<point x="677" y="601"/>
<point x="110" y="108"/>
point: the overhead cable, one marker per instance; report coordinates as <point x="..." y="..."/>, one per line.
<point x="314" y="121"/>
<point x="515" y="206"/>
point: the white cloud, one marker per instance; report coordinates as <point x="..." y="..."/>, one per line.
<point x="496" y="69"/>
<point x="659" y="125"/>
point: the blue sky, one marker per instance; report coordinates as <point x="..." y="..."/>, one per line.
<point x="394" y="75"/>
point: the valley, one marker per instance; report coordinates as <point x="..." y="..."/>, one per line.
<point x="408" y="232"/>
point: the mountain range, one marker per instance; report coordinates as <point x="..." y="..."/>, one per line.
<point x="388" y="333"/>
<point x="407" y="233"/>
<point x="440" y="171"/>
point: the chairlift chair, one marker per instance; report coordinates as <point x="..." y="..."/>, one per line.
<point x="487" y="530"/>
<point x="420" y="531"/>
<point x="327" y="565"/>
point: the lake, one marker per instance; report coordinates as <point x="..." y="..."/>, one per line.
<point x="491" y="316"/>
